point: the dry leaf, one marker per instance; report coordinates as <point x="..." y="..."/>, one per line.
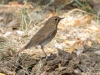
<point x="59" y="46"/>
<point x="61" y="2"/>
<point x="7" y="34"/>
<point x="16" y="4"/>
<point x="98" y="39"/>
<point x="72" y="49"/>
<point x="97" y="52"/>
<point x="67" y="42"/>
<point x="79" y="41"/>
<point x="93" y="28"/>
<point x="50" y="14"/>
<point x="61" y="27"/>
<point x="2" y="74"/>
<point x="79" y="52"/>
<point x="86" y="19"/>
<point x="79" y="47"/>
<point x="89" y="43"/>
<point x="98" y="30"/>
<point x="77" y="22"/>
<point x="20" y="32"/>
<point x="13" y="24"/>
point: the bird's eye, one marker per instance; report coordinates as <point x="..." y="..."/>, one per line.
<point x="55" y="19"/>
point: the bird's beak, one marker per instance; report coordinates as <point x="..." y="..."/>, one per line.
<point x="61" y="18"/>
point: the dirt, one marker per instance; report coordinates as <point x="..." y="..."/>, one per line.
<point x="61" y="63"/>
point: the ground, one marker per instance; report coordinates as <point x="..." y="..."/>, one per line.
<point x="75" y="50"/>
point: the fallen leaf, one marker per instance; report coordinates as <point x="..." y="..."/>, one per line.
<point x="2" y="74"/>
<point x="86" y="19"/>
<point x="97" y="52"/>
<point x="78" y="52"/>
<point x="93" y="28"/>
<point x="72" y="49"/>
<point x="13" y="24"/>
<point x="67" y="42"/>
<point x="79" y="41"/>
<point x="16" y="4"/>
<point x="20" y="32"/>
<point x="50" y="14"/>
<point x="76" y="45"/>
<point x="89" y="43"/>
<point x="79" y="47"/>
<point x="7" y="34"/>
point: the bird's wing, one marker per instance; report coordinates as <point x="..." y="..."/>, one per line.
<point x="39" y="38"/>
<point x="34" y="41"/>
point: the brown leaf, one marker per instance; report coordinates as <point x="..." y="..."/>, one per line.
<point x="2" y="74"/>
<point x="72" y="49"/>
<point x="86" y="19"/>
<point x="16" y="4"/>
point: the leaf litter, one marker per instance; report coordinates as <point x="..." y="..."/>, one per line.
<point x="74" y="50"/>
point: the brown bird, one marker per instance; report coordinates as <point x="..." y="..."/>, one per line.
<point x="44" y="35"/>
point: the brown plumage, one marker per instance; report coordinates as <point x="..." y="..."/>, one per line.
<point x="44" y="35"/>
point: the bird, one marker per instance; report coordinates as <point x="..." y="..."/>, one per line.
<point x="44" y="35"/>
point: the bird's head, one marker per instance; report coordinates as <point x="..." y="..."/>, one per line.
<point x="54" y="20"/>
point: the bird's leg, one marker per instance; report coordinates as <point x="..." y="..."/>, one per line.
<point x="43" y="51"/>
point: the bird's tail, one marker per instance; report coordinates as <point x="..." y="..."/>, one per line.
<point x="22" y="49"/>
<point x="25" y="47"/>
<point x="17" y="53"/>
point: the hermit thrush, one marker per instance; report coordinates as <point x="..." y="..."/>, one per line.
<point x="44" y="35"/>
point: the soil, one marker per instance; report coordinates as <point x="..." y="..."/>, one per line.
<point x="61" y="63"/>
